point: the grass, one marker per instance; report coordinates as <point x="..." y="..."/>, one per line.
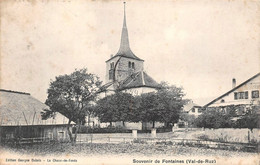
<point x="140" y="149"/>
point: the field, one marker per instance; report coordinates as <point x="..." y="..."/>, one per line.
<point x="111" y="149"/>
<point x="122" y="149"/>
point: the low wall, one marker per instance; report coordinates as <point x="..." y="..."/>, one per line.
<point x="133" y="125"/>
<point x="243" y="135"/>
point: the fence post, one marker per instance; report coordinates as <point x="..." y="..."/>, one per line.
<point x="174" y="127"/>
<point x="134" y="133"/>
<point x="248" y="136"/>
<point x="153" y="132"/>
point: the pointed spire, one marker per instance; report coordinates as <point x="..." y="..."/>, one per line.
<point x="124" y="49"/>
<point x="124" y="45"/>
<point x="124" y="24"/>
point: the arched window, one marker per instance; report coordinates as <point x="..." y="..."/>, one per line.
<point x="133" y="65"/>
<point x="129" y="64"/>
<point x="112" y="65"/>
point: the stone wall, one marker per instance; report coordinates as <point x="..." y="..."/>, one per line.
<point x="123" y="70"/>
<point x="242" y="135"/>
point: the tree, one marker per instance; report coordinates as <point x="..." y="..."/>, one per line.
<point x="230" y="116"/>
<point x="150" y="108"/>
<point x="250" y="119"/>
<point x="72" y="95"/>
<point x="163" y="106"/>
<point x="116" y="107"/>
<point x="190" y="119"/>
<point x="213" y="118"/>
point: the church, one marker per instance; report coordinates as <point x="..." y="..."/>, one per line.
<point x="125" y="71"/>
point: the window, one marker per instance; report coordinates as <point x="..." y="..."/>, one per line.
<point x="129" y="64"/>
<point x="241" y="95"/>
<point x="61" y="135"/>
<point x="193" y="110"/>
<point x="255" y="94"/>
<point x="111" y="71"/>
<point x="235" y="95"/>
<point x="222" y="101"/>
<point x="112" y="65"/>
<point x="246" y="95"/>
<point x="133" y="65"/>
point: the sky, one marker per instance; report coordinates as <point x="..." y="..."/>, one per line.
<point x="199" y="45"/>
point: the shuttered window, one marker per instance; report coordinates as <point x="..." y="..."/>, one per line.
<point x="255" y="94"/>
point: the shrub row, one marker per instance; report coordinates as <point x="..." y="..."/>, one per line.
<point x="87" y="129"/>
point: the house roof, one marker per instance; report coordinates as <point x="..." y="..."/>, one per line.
<point x="19" y="108"/>
<point x="230" y="91"/>
<point x="187" y="107"/>
<point x="138" y="79"/>
<point x="124" y="49"/>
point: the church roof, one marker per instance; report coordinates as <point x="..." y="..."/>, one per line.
<point x="124" y="49"/>
<point x="138" y="79"/>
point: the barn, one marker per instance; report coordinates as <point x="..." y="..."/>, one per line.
<point x="20" y="118"/>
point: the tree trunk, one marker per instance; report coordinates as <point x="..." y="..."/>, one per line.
<point x="153" y="124"/>
<point x="88" y="119"/>
<point x="69" y="132"/>
<point x="123" y="123"/>
<point x="76" y="132"/>
<point x="110" y="123"/>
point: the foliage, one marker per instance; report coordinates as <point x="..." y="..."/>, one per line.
<point x="229" y="116"/>
<point x="87" y="130"/>
<point x="212" y="118"/>
<point x="72" y="95"/>
<point x="190" y="119"/>
<point x="163" y="106"/>
<point x="250" y="119"/>
<point x="116" y="107"/>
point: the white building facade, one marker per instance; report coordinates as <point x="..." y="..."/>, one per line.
<point x="246" y="93"/>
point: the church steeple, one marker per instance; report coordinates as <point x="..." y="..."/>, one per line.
<point x="124" y="45"/>
<point x="124" y="49"/>
<point x="124" y="63"/>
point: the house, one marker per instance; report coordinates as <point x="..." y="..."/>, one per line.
<point x="20" y="117"/>
<point x="190" y="112"/>
<point x="192" y="109"/>
<point x="244" y="94"/>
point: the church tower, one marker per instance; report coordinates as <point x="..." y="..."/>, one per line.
<point x="124" y="63"/>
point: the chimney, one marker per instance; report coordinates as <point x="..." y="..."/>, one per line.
<point x="111" y="55"/>
<point x="233" y="83"/>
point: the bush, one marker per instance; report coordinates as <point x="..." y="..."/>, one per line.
<point x="163" y="129"/>
<point x="249" y="120"/>
<point x="212" y="118"/>
<point x="221" y="117"/>
<point x="109" y="129"/>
